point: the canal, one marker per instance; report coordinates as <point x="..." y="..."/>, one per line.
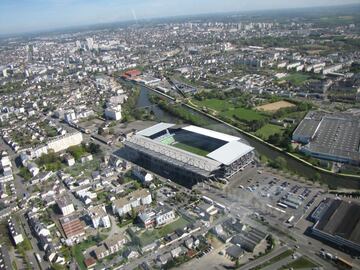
<point x="333" y="180"/>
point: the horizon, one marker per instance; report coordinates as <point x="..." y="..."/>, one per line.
<point x="13" y="19"/>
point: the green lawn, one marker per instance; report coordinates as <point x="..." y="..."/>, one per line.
<point x="275" y="259"/>
<point x="297" y="78"/>
<point x="301" y="263"/>
<point x="190" y="149"/>
<point x="87" y="168"/>
<point x="150" y="236"/>
<point x="227" y="109"/>
<point x="215" y="104"/>
<point x="269" y="129"/>
<point x="244" y="114"/>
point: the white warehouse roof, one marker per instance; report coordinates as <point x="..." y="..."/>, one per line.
<point x="230" y="152"/>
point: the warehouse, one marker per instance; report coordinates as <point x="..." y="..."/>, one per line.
<point x="334" y="137"/>
<point x="338" y="221"/>
<point x="188" y="153"/>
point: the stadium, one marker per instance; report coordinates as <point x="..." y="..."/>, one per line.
<point x="188" y="154"/>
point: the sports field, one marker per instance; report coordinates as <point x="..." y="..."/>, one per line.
<point x="190" y="149"/>
<point x="275" y="106"/>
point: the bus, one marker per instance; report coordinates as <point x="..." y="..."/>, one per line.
<point x="282" y="205"/>
<point x="38" y="258"/>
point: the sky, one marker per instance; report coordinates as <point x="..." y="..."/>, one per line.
<point x="20" y="16"/>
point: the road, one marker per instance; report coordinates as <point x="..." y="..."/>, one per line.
<point x="264" y="258"/>
<point x="244" y="212"/>
<point x="31" y="254"/>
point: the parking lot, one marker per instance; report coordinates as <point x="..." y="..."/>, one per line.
<point x="283" y="197"/>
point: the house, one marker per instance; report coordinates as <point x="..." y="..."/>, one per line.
<point x="86" y="158"/>
<point x="69" y="160"/>
<point x="110" y="246"/>
<point x="101" y="252"/>
<point x="144" y="177"/>
<point x="176" y="252"/>
<point x="131" y="254"/>
<point x="15" y="231"/>
<point x="164" y="216"/>
<point x="72" y="226"/>
<point x="33" y="169"/>
<point x="164" y="258"/>
<point x="191" y="242"/>
<point x="38" y="227"/>
<point x="134" y="199"/>
<point x="147" y="219"/>
<point x="158" y="217"/>
<point x="99" y="217"/>
<point x="208" y="208"/>
<point x="115" y="161"/>
<point x="65" y="205"/>
<point x="5" y="160"/>
<point x="113" y="112"/>
<point x="90" y="262"/>
<point x="95" y="175"/>
<point x="115" y="244"/>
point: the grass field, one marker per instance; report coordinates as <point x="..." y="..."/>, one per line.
<point x="215" y="104"/>
<point x="244" y="114"/>
<point x="84" y="169"/>
<point x="150" y="236"/>
<point x="297" y="78"/>
<point x="226" y="108"/>
<point x="301" y="263"/>
<point x="276" y="259"/>
<point x="190" y="149"/>
<point x="266" y="131"/>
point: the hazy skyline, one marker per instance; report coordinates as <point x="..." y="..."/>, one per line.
<point x="22" y="16"/>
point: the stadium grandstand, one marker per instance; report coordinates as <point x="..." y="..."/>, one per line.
<point x="188" y="154"/>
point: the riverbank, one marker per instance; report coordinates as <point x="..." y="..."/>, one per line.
<point x="294" y="163"/>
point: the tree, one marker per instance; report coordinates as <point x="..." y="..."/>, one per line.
<point x="133" y="213"/>
<point x="279" y="163"/>
<point x="316" y="177"/>
<point x="237" y="263"/>
<point x="94" y="148"/>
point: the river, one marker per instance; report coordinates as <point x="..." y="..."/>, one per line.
<point x="293" y="165"/>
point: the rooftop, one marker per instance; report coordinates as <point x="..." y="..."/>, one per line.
<point x="341" y="219"/>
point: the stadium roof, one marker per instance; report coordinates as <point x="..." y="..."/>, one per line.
<point x="230" y="152"/>
<point x="182" y="158"/>
<point x="155" y="129"/>
<point x="211" y="133"/>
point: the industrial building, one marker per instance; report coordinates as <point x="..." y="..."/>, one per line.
<point x="338" y="221"/>
<point x="334" y="137"/>
<point x="188" y="154"/>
